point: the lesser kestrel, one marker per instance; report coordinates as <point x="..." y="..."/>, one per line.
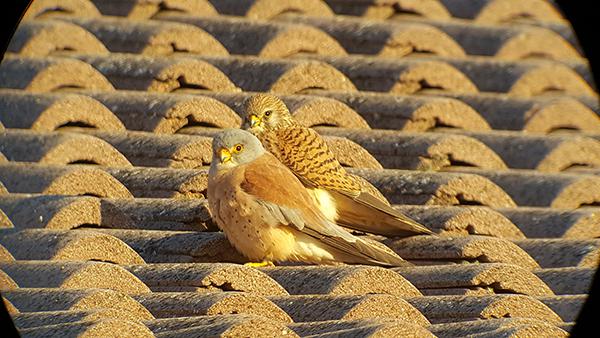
<point x="344" y="198"/>
<point x="268" y="215"/>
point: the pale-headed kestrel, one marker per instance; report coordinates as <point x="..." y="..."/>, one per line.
<point x="269" y="216"/>
<point x="345" y="199"/>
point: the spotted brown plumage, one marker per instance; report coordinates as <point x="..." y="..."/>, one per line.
<point x="309" y="157"/>
<point x="344" y="198"/>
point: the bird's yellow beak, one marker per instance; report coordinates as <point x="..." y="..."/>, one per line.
<point x="225" y="155"/>
<point x="254" y="121"/>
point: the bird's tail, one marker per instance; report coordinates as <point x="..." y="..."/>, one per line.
<point x="370" y="252"/>
<point x="368" y="214"/>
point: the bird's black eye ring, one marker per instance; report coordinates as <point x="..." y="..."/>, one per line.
<point x="268" y="112"/>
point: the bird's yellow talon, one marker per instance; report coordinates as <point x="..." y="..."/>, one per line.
<point x="259" y="264"/>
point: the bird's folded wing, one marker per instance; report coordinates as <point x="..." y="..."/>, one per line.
<point x="286" y="202"/>
<point x="353" y="249"/>
<point x="305" y="152"/>
<point x="375" y="216"/>
<point x="367" y="187"/>
<point x="278" y="191"/>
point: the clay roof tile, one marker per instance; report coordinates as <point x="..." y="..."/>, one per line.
<point x="410" y="112"/>
<point x="26" y="320"/>
<point x="507" y="42"/>
<point x="150" y="37"/>
<point x="532" y="188"/>
<point x="49" y="74"/>
<point x="283" y="76"/>
<point x="351" y="154"/>
<point x="542" y="153"/>
<point x="493" y="327"/>
<point x="178" y="246"/>
<point x="80" y="245"/>
<point x="385" y="9"/>
<point x="536" y="115"/>
<point x="48" y="8"/>
<point x="156" y="214"/>
<point x="232" y="325"/>
<point x="73" y="275"/>
<point x="431" y="188"/>
<point x="567" y="307"/>
<point x="526" y="78"/>
<point x="206" y="277"/>
<point x="556" y="253"/>
<point x="156" y="150"/>
<point x="342" y="280"/>
<point x="482" y="249"/>
<point x="52" y="211"/>
<point x="143" y="9"/>
<point x="53" y="299"/>
<point x="161" y="182"/>
<point x="69" y="212"/>
<point x="267" y="9"/>
<point x="417" y="151"/>
<point x="264" y="39"/>
<point x="5" y="255"/>
<point x="99" y="328"/>
<point x="60" y="180"/>
<point x="446" y="309"/>
<point x="360" y="328"/>
<point x="495" y="278"/>
<point x="400" y="76"/>
<point x="463" y="220"/>
<point x="387" y="39"/>
<point x="46" y="37"/>
<point x="184" y="304"/>
<point x="316" y="308"/>
<point x="6" y="281"/>
<point x="500" y="11"/>
<point x="156" y="74"/>
<point x="53" y="111"/>
<point x="59" y="149"/>
<point x="567" y="280"/>
<point x="555" y="223"/>
<point x="166" y="113"/>
<point x="5" y="222"/>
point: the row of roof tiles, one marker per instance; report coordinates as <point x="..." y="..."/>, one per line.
<point x="96" y="320"/>
<point x="360" y="148"/>
<point x="468" y="186"/>
<point x="474" y="283"/>
<point x="163" y="113"/>
<point x="68" y="212"/>
<point x="344" y="293"/>
<point x="158" y="246"/>
<point x="484" y="11"/>
<point x="287" y="36"/>
<point x="524" y="79"/>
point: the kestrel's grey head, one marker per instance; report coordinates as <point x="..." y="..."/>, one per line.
<point x="263" y="112"/>
<point x="233" y="147"/>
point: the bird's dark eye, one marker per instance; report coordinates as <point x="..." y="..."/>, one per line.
<point x="239" y="148"/>
<point x="268" y="113"/>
